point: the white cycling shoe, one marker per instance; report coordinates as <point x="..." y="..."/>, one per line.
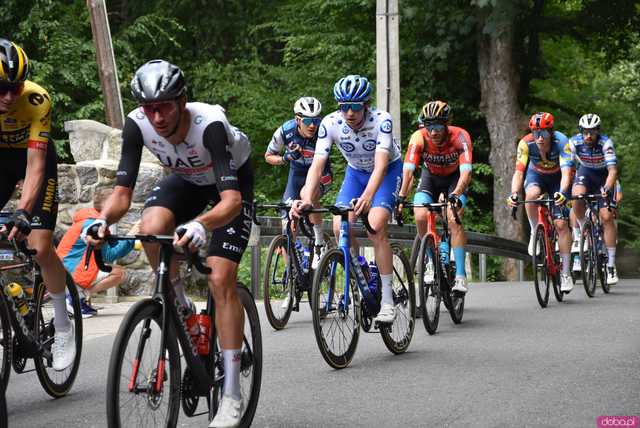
<point x="64" y="348"/>
<point x="229" y="413"/>
<point x="387" y="314"/>
<point x="566" y="283"/>
<point x="612" y="275"/>
<point x="460" y="285"/>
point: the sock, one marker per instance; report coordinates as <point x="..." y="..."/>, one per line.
<point x="387" y="291"/>
<point x="232" y="359"/>
<point x="61" y="319"/>
<point x="460" y="256"/>
<point x="611" y="252"/>
<point x="317" y="230"/>
<point x="576" y="234"/>
<point x="565" y="257"/>
<point x="532" y="224"/>
<point x="178" y="288"/>
<point x="580" y="222"/>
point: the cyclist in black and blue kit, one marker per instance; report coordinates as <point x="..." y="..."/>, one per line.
<point x="294" y="143"/>
<point x="597" y="173"/>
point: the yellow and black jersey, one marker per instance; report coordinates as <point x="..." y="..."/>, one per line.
<point x="28" y="123"/>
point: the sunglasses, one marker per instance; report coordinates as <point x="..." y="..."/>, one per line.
<point x="435" y="127"/>
<point x="310" y="120"/>
<point x="592" y="132"/>
<point x="164" y="108"/>
<point x="14" y="88"/>
<point x="355" y="107"/>
<point x="541" y="133"/>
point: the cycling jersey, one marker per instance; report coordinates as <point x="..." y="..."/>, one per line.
<point x="28" y="123"/>
<point x="358" y="146"/>
<point x="441" y="160"/>
<point x="287" y="136"/>
<point x="530" y="158"/>
<point x="211" y="153"/>
<point x="600" y="155"/>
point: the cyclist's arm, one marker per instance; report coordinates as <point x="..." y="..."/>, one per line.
<point x="612" y="164"/>
<point x="273" y="154"/>
<point x="320" y="159"/>
<point x="34" y="178"/>
<point x="566" y="164"/>
<point x="565" y="181"/>
<point x="466" y="162"/>
<point x="522" y="160"/>
<point x="411" y="162"/>
<point x="216" y="140"/>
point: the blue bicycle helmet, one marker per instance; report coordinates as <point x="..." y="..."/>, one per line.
<point x="352" y="88"/>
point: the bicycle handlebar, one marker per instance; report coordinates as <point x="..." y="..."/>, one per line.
<point x="431" y="207"/>
<point x="305" y="224"/>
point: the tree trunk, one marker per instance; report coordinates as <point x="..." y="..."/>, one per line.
<point x="499" y="81"/>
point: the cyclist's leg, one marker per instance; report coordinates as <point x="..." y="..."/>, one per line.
<point x="172" y="202"/>
<point x="291" y="193"/>
<point x="382" y="207"/>
<point x="458" y="237"/>
<point x="316" y="219"/>
<point x="560" y="219"/>
<point x="424" y="195"/>
<point x="580" y="187"/>
<point x="353" y="185"/>
<point x="533" y="189"/>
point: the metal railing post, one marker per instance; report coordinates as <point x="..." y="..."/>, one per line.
<point x="520" y="270"/>
<point x="482" y="268"/>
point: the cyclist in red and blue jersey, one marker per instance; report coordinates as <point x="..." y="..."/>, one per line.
<point x="294" y="143"/>
<point x="597" y="172"/>
<point x="543" y="164"/>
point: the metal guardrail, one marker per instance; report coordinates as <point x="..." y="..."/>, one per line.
<point x="477" y="243"/>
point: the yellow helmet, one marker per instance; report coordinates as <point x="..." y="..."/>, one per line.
<point x="14" y="63"/>
<point x="434" y="111"/>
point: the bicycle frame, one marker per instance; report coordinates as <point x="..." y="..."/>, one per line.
<point x="544" y="209"/>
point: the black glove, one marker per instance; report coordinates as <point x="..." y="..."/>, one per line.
<point x="455" y="200"/>
<point x="21" y="219"/>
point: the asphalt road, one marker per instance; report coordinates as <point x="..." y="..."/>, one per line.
<point x="510" y="363"/>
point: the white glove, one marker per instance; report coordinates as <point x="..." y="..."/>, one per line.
<point x="102" y="228"/>
<point x="195" y="231"/>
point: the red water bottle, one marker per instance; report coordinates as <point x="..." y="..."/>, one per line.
<point x="204" y="322"/>
<point x="193" y="328"/>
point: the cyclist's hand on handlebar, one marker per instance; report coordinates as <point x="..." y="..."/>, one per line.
<point x="513" y="200"/>
<point x="21" y="221"/>
<point x="606" y="192"/>
<point x="402" y="200"/>
<point x="192" y="234"/>
<point x="95" y="233"/>
<point x="297" y="207"/>
<point x="362" y="205"/>
<point x="455" y="201"/>
<point x="560" y="198"/>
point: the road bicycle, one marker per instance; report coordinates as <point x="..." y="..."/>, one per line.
<point x="29" y="334"/>
<point x="346" y="296"/>
<point x="145" y="384"/>
<point x="435" y="271"/>
<point x="593" y="252"/>
<point x="288" y="273"/>
<point x="545" y="260"/>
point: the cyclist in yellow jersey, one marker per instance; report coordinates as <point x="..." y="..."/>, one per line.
<point x="27" y="153"/>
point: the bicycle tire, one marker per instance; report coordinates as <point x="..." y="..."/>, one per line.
<point x="415" y="250"/>
<point x="587" y="260"/>
<point x="46" y="375"/>
<point x="251" y="359"/>
<point x="540" y="273"/>
<point x="555" y="279"/>
<point x="143" y="311"/>
<point x="397" y="335"/>
<point x="338" y="359"/>
<point x="430" y="296"/>
<point x="6" y="342"/>
<point x="277" y="317"/>
<point x="601" y="261"/>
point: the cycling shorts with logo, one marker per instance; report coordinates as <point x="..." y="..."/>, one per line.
<point x="355" y="181"/>
<point x="549" y="184"/>
<point x="431" y="186"/>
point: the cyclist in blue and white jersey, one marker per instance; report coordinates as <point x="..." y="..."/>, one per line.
<point x="597" y="172"/>
<point x="294" y="143"/>
<point x="373" y="174"/>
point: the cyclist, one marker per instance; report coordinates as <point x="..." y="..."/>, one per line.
<point x="597" y="172"/>
<point x="297" y="138"/>
<point x="363" y="135"/>
<point x="28" y="153"/>
<point x="210" y="163"/>
<point x="544" y="164"/>
<point x="446" y="153"/>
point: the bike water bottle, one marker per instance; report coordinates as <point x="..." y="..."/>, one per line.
<point x="204" y="322"/>
<point x="444" y="251"/>
<point x="373" y="282"/>
<point x="306" y="254"/>
<point x="365" y="268"/>
<point x="193" y="328"/>
<point x="15" y="291"/>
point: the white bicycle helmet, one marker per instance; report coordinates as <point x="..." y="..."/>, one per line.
<point x="589" y="121"/>
<point x="307" y="107"/>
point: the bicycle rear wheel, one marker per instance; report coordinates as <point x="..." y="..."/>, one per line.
<point x="588" y="260"/>
<point x="336" y="323"/>
<point x="601" y="260"/>
<point x="5" y="347"/>
<point x="397" y="335"/>
<point x="555" y="279"/>
<point x="55" y="383"/>
<point x="251" y="361"/>
<point x="429" y="279"/>
<point x="143" y="391"/>
<point x="541" y="277"/>
<point x="278" y="284"/>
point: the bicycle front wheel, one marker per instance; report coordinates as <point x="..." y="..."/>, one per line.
<point x="541" y="275"/>
<point x="143" y="383"/>
<point x="588" y="260"/>
<point x="555" y="279"/>
<point x="601" y="264"/>
<point x="278" y="284"/>
<point x="5" y="347"/>
<point x="429" y="278"/>
<point x="56" y="383"/>
<point x="336" y="319"/>
<point x="397" y="335"/>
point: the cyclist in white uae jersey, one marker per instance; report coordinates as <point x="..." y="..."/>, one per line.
<point x="210" y="163"/>
<point x="373" y="174"/>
